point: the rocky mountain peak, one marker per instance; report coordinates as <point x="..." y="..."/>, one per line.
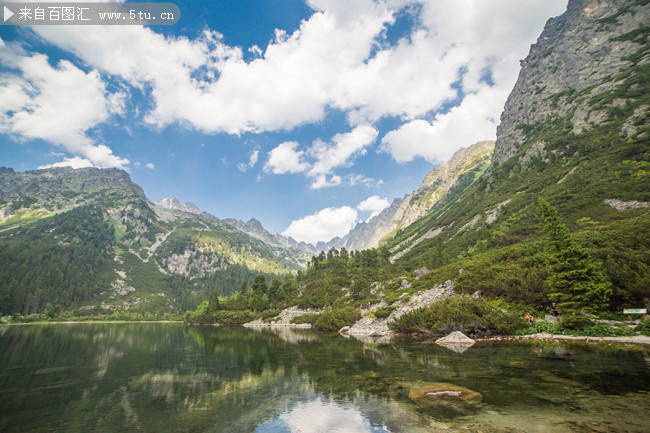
<point x="175" y="204"/>
<point x="405" y="211"/>
<point x="44" y="185"/>
<point x="579" y="55"/>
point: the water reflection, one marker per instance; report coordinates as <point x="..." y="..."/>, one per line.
<point x="167" y="377"/>
<point x="320" y="416"/>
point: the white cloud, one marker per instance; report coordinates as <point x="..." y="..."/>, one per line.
<point x="75" y="162"/>
<point x="337" y="58"/>
<point x="343" y="148"/>
<point x="322" y="181"/>
<point x="285" y="159"/>
<point x="340" y="152"/>
<point x="150" y="166"/>
<point x="331" y="60"/>
<point x="323" y="225"/>
<point x="243" y="166"/>
<point x="374" y="204"/>
<point x="58" y="105"/>
<point x="473" y="120"/>
<point x="356" y="179"/>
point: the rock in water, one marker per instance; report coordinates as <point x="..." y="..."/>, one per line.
<point x="431" y="392"/>
<point x="455" y="337"/>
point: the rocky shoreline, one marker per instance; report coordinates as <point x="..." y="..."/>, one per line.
<point x="283" y="320"/>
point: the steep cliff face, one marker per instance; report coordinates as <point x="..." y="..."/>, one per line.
<point x="583" y="54"/>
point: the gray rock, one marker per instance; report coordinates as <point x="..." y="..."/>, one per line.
<point x="574" y="59"/>
<point x="455" y="337"/>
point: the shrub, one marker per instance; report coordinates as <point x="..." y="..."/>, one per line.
<point x="603" y="330"/>
<point x="305" y="318"/>
<point x="539" y="328"/>
<point x="643" y="327"/>
<point x="471" y="316"/>
<point x="268" y="315"/>
<point x="334" y="320"/>
<point x="574" y="323"/>
<point x="384" y="312"/>
<point x="225" y="317"/>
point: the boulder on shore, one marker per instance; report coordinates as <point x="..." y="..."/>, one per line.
<point x="455" y="337"/>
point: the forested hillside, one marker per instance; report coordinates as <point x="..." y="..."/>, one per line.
<point x="88" y="242"/>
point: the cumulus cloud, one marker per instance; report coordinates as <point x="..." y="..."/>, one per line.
<point x="339" y="152"/>
<point x="331" y="222"/>
<point x="437" y="140"/>
<point x="56" y="104"/>
<point x="150" y="165"/>
<point x="286" y="159"/>
<point x="374" y="204"/>
<point x="338" y="58"/>
<point x="75" y="162"/>
<point x="323" y="225"/>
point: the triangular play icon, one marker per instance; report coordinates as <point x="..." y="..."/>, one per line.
<point x="8" y="14"/>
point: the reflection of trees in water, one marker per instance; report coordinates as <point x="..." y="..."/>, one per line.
<point x="151" y="377"/>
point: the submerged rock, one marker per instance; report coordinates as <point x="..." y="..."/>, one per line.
<point x="434" y="393"/>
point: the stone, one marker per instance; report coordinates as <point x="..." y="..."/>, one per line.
<point x="432" y="392"/>
<point x="456" y="337"/>
<point x="419" y="272"/>
<point x="550" y="318"/>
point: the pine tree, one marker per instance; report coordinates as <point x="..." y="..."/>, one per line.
<point x="213" y="303"/>
<point x="576" y="281"/>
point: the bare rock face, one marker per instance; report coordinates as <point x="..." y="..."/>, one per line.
<point x="374" y="326"/>
<point x="578" y="55"/>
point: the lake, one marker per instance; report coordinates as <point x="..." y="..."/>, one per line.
<point x="162" y="377"/>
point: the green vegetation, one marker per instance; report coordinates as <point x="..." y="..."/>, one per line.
<point x="576" y="281"/>
<point x="589" y="330"/>
<point x="305" y="318"/>
<point x="63" y="260"/>
<point x="333" y="320"/>
<point x="643" y="327"/>
<point x="471" y="316"/>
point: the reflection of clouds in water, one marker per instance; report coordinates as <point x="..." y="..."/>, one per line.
<point x="319" y="416"/>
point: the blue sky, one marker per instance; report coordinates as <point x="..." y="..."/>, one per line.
<point x="307" y="115"/>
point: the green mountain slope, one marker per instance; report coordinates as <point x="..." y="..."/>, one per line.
<point x="595" y="171"/>
<point x="89" y="240"/>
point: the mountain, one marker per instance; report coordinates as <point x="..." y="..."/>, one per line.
<point x="254" y="228"/>
<point x="88" y="239"/>
<point x="573" y="131"/>
<point x="176" y="204"/>
<point x="586" y="67"/>
<point x="471" y="161"/>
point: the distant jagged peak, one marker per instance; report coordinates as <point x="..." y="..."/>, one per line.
<point x="253" y="224"/>
<point x="175" y="204"/>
